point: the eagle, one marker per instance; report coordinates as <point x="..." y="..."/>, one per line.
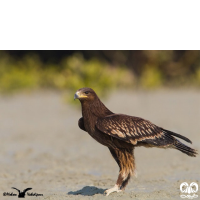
<point x="122" y="133"/>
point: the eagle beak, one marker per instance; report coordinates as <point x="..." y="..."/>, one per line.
<point x="76" y="96"/>
<point x="79" y="95"/>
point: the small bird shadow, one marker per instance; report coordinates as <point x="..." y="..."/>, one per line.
<point x="87" y="191"/>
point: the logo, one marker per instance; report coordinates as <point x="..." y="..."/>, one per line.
<point x="189" y="190"/>
<point x="21" y="194"/>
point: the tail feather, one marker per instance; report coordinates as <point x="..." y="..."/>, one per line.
<point x="185" y="149"/>
<point x="177" y="144"/>
<point x="176" y="135"/>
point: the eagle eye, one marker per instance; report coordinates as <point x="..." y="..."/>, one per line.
<point x="86" y="92"/>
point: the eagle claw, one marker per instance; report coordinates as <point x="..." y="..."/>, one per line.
<point x="111" y="190"/>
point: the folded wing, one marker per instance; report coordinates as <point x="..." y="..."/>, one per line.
<point x="132" y="129"/>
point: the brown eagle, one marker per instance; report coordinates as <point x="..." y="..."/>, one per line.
<point x="122" y="133"/>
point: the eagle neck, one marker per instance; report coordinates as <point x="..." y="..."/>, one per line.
<point x="95" y="108"/>
<point x="91" y="110"/>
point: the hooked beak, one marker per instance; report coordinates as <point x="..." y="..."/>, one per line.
<point x="76" y="96"/>
<point x="79" y="95"/>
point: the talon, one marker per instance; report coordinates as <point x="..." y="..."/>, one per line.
<point x="111" y="190"/>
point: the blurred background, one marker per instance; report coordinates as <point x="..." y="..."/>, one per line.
<point x="40" y="141"/>
<point x="102" y="70"/>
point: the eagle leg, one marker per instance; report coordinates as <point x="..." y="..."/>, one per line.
<point x="123" y="180"/>
<point x="126" y="162"/>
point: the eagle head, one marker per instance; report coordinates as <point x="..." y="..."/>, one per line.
<point x="84" y="94"/>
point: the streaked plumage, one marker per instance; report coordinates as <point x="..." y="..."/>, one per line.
<point x="122" y="133"/>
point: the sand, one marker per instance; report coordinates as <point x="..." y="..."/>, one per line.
<point x="43" y="148"/>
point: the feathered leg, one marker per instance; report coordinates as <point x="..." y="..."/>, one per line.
<point x="125" y="160"/>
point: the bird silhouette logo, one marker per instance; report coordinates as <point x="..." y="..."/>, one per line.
<point x="22" y="194"/>
<point x="189" y="190"/>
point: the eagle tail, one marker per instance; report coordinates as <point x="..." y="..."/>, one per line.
<point x="179" y="145"/>
<point x="185" y="149"/>
<point x="176" y="135"/>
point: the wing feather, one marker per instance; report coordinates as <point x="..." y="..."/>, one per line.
<point x="128" y="128"/>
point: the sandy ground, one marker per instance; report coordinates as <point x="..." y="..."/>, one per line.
<point x="42" y="147"/>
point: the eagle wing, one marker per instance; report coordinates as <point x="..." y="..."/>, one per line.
<point x="131" y="129"/>
<point x="81" y="124"/>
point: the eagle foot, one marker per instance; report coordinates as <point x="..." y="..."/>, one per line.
<point x="111" y="190"/>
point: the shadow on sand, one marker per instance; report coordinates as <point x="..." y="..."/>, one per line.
<point x="87" y="191"/>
